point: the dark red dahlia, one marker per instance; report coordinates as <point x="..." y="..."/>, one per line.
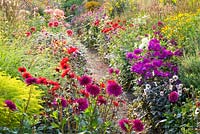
<point x="93" y="89"/>
<point x="10" y="105"/>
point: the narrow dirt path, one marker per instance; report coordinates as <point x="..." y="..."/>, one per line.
<point x="96" y="65"/>
<point x="99" y="70"/>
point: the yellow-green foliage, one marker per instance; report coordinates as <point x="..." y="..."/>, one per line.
<point x="185" y="28"/>
<point x="18" y="92"/>
<point x="117" y="7"/>
<point x="91" y="5"/>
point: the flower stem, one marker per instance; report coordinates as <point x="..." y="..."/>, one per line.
<point x="25" y="110"/>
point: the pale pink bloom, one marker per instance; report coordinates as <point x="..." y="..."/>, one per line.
<point x="59" y="13"/>
<point x="49" y="11"/>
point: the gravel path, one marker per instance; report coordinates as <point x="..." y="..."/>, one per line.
<point x="96" y="65"/>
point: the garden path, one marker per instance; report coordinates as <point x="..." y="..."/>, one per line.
<point x="96" y="65"/>
<point x="99" y="70"/>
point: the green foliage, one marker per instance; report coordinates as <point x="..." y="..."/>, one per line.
<point x="10" y="59"/>
<point x="18" y="92"/>
<point x="92" y="5"/>
<point x="181" y="119"/>
<point x="67" y="5"/>
<point x="119" y="7"/>
<point x="190" y="71"/>
<point x="185" y="29"/>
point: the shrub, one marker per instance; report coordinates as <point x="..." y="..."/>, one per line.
<point x="80" y="104"/>
<point x="92" y="5"/>
<point x="190" y="71"/>
<point x="184" y="28"/>
<point x="10" y="59"/>
<point x="18" y="92"/>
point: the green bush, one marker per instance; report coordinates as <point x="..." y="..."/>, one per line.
<point x="185" y="29"/>
<point x="190" y="71"/>
<point x="18" y="92"/>
<point x="10" y="59"/>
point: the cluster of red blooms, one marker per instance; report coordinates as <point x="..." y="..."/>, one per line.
<point x="96" y="22"/>
<point x="65" y="67"/>
<point x="53" y="24"/>
<point x="71" y="50"/>
<point x="113" y="26"/>
<point x="32" y="30"/>
<point x="29" y="79"/>
<point x="69" y="32"/>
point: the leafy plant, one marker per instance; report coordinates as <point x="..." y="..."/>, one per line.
<point x="189" y="70"/>
<point x="18" y="92"/>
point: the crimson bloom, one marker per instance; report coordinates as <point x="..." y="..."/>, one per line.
<point x="101" y="100"/>
<point x="10" y="105"/>
<point x="82" y="104"/>
<point x="42" y="80"/>
<point x="33" y="29"/>
<point x="55" y="23"/>
<point x="113" y="88"/>
<point x="85" y="80"/>
<point x="50" y="24"/>
<point x="72" y="50"/>
<point x="138" y="126"/>
<point x="173" y="97"/>
<point x="93" y="89"/>
<point x="96" y="23"/>
<point x="28" y="34"/>
<point x="22" y="69"/>
<point x="69" y="32"/>
<point x="26" y="75"/>
<point x="124" y="124"/>
<point x="85" y="93"/>
<point x="116" y="103"/>
<point x="31" y="80"/>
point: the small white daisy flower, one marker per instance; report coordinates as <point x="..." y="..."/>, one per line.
<point x="148" y="86"/>
<point x="171" y="81"/>
<point x="175" y="77"/>
<point x="161" y="93"/>
<point x="197" y="111"/>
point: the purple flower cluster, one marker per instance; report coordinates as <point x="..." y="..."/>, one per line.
<point x="113" y="88"/>
<point x="123" y="123"/>
<point x="112" y="70"/>
<point x="85" y="80"/>
<point x="31" y="80"/>
<point x="63" y="102"/>
<point x="82" y="104"/>
<point x="93" y="89"/>
<point x="129" y="125"/>
<point x="10" y="105"/>
<point x="155" y="62"/>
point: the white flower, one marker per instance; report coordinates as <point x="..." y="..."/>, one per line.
<point x="146" y="91"/>
<point x="161" y="93"/>
<point x="179" y="92"/>
<point x="180" y="86"/>
<point x="144" y="43"/>
<point x="197" y="111"/>
<point x="175" y="77"/>
<point x="148" y="86"/>
<point x="171" y="81"/>
<point x="171" y="87"/>
<point x="155" y="84"/>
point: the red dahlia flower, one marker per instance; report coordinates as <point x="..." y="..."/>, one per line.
<point x="22" y="69"/>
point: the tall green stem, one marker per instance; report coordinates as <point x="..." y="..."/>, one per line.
<point x="25" y="110"/>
